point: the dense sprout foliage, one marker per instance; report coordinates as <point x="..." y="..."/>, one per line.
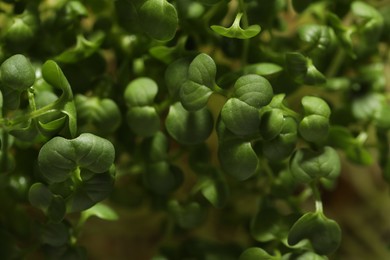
<point x="232" y="113"/>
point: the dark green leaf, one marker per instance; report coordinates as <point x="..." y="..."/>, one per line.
<point x="238" y="159"/>
<point x="254" y="90"/>
<point x="307" y="165"/>
<point x="83" y="49"/>
<point x="143" y="121"/>
<point x="53" y="75"/>
<point x="54" y="234"/>
<point x="240" y="118"/>
<point x="316" y="37"/>
<point x="189" y="127"/>
<point x="162" y="178"/>
<point x="323" y="233"/>
<point x="59" y="157"/>
<point x="196" y="91"/>
<point x="271" y="123"/>
<point x="92" y="190"/>
<point x="175" y="75"/>
<point x="156" y="147"/>
<point x="187" y="216"/>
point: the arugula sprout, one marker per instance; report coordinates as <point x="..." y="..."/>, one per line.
<point x="181" y="121"/>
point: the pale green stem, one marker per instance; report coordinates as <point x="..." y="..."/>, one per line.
<point x="317" y="198"/>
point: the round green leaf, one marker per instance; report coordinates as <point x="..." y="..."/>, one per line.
<point x="194" y="96"/>
<point x="162" y="178"/>
<point x="17" y="73"/>
<point x="189" y="127"/>
<point x="196" y="91"/>
<point x="59" y="157"/>
<point x="54" y="234"/>
<point x="143" y="121"/>
<point x="141" y="92"/>
<point x="307" y="165"/>
<point x="240" y="118"/>
<point x="323" y="233"/>
<point x="158" y="19"/>
<point x="315" y="106"/>
<point x="103" y="114"/>
<point x="255" y="253"/>
<point x="92" y="189"/>
<point x="101" y="211"/>
<point x="238" y="159"/>
<point x="202" y="70"/>
<point x="187" y="216"/>
<point x="175" y="75"/>
<point x="317" y="37"/>
<point x="271" y="123"/>
<point x="314" y="128"/>
<point x="254" y="90"/>
<point x="284" y="144"/>
<point x="155" y="148"/>
<point x="263" y="69"/>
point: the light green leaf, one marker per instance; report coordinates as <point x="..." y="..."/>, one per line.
<point x="17" y="73"/>
<point x="235" y="31"/>
<point x="315" y="106"/>
<point x="158" y="19"/>
<point x="255" y="253"/>
<point x="314" y="128"/>
<point x="141" y="92"/>
<point x="265" y="69"/>
<point x="101" y="211"/>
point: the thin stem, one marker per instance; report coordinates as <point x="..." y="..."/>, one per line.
<point x="4" y="152"/>
<point x="336" y="63"/>
<point x="317" y="198"/>
<point x="245" y="23"/>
